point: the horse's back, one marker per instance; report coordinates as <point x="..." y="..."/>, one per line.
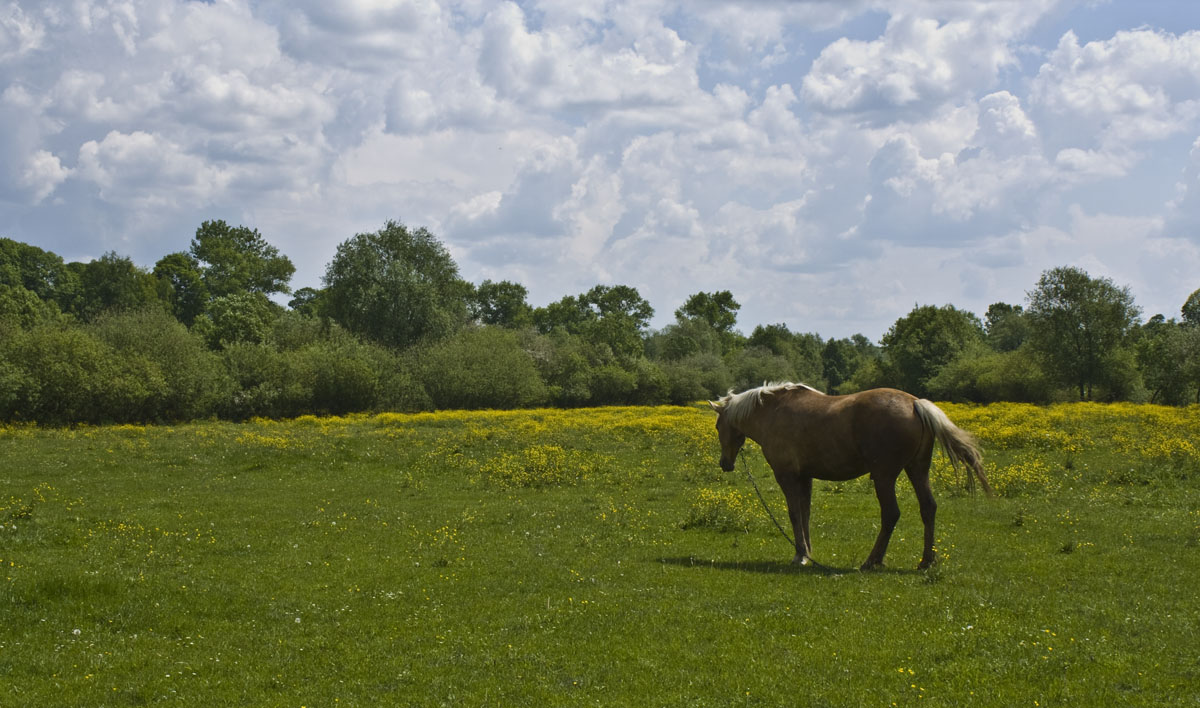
<point x="841" y="437"/>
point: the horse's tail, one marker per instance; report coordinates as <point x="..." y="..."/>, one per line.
<point x="957" y="443"/>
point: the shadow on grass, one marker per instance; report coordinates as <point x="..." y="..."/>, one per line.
<point x="773" y="567"/>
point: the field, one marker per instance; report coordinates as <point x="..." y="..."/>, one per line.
<point x="588" y="557"/>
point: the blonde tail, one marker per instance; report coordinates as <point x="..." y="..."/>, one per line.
<point x="957" y="443"/>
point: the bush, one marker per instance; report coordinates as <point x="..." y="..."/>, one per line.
<point x="695" y="378"/>
<point x="757" y="365"/>
<point x="480" y="367"/>
<point x="58" y="375"/>
<point x="610" y="384"/>
<point x="194" y="383"/>
<point x="267" y="382"/>
<point x="981" y="375"/>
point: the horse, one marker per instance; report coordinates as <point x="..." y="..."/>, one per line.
<point x="805" y="434"/>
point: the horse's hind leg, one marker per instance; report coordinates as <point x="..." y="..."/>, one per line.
<point x="889" y="514"/>
<point x="919" y="476"/>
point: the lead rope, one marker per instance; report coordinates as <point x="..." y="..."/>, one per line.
<point x="749" y="476"/>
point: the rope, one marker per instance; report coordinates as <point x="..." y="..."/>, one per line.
<point x="749" y="476"/>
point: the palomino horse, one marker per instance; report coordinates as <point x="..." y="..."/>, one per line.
<point x="806" y="435"/>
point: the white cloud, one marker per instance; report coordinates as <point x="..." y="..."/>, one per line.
<point x="918" y="64"/>
<point x="43" y="173"/>
<point x="1139" y="85"/>
<point x="675" y="146"/>
<point x="143" y="170"/>
<point x="19" y="32"/>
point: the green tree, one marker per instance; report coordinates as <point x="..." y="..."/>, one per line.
<point x="612" y="317"/>
<point x="396" y="286"/>
<point x="308" y="301"/>
<point x="243" y="317"/>
<point x="186" y="294"/>
<point x="236" y="259"/>
<point x="112" y="283"/>
<point x="501" y="304"/>
<point x="684" y="339"/>
<point x="919" y="344"/>
<point x="24" y="308"/>
<point x="1191" y="309"/>
<point x="801" y="350"/>
<point x="41" y="272"/>
<point x="1079" y="326"/>
<point x="839" y="359"/>
<point x="1006" y="326"/>
<point x="1162" y="356"/>
<point x="718" y="311"/>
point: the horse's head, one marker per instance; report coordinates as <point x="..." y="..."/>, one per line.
<point x="731" y="438"/>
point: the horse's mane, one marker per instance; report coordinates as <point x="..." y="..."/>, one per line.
<point x="738" y="406"/>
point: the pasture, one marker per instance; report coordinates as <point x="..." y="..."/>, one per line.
<point x="589" y="557"/>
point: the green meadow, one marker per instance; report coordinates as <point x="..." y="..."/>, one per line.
<point x="588" y="557"/>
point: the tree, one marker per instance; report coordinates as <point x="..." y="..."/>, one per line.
<point x="502" y="304"/>
<point x="1191" y="310"/>
<point x="682" y="340"/>
<point x="919" y="344"/>
<point x="308" y="301"/>
<point x="1006" y="326"/>
<point x="801" y="350"/>
<point x="112" y="283"/>
<point x="237" y="259"/>
<point x="186" y="293"/>
<point x="1161" y="352"/>
<point x="396" y="286"/>
<point x="1078" y="325"/>
<point x="244" y="317"/>
<point x="717" y="311"/>
<point x="41" y="272"/>
<point x="612" y="317"/>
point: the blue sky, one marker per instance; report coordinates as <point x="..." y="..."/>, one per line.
<point x="832" y="163"/>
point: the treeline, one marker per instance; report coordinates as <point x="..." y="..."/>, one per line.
<point x="395" y="327"/>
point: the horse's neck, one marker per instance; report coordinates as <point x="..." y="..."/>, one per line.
<point x="752" y="425"/>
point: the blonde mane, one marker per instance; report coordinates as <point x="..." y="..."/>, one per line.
<point x="738" y="406"/>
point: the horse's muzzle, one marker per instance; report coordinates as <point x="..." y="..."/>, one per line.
<point x="726" y="465"/>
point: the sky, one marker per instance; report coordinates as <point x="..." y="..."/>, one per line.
<point x="832" y="163"/>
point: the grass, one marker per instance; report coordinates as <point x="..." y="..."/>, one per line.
<point x="592" y="557"/>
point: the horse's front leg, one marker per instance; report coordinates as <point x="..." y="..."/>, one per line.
<point x="889" y="514"/>
<point x="797" y="490"/>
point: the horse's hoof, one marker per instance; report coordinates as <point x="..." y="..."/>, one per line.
<point x="801" y="560"/>
<point x="926" y="564"/>
<point x="871" y="565"/>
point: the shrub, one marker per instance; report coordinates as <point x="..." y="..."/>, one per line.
<point x="695" y="378"/>
<point x="267" y="382"/>
<point x="755" y="365"/>
<point x="984" y="376"/>
<point x="58" y="375"/>
<point x="480" y="367"/>
<point x="194" y="383"/>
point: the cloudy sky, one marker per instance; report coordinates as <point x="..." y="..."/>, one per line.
<point x="831" y="162"/>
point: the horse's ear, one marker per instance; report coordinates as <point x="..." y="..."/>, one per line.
<point x="715" y="406"/>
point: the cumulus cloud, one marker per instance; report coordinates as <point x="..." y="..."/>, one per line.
<point x="823" y="159"/>
<point x="1139" y="85"/>
<point x="20" y="33"/>
<point x="145" y="170"/>
<point x="43" y="173"/>
<point x="917" y="65"/>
